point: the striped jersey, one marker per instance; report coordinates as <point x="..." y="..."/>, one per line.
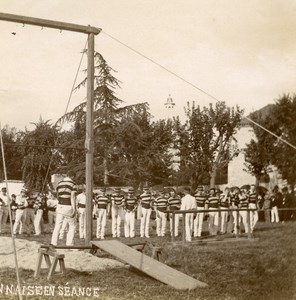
<point x="243" y="201"/>
<point x="212" y="201"/>
<point x="130" y="203"/>
<point x="253" y="198"/>
<point x="146" y="200"/>
<point x="174" y="203"/>
<point x="161" y="203"/>
<point x="224" y="201"/>
<point x="200" y="199"/>
<point x="102" y="201"/>
<point x="117" y="200"/>
<point x="64" y="190"/>
<point x="234" y="200"/>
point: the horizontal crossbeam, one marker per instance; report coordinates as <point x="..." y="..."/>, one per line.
<point x="49" y="23"/>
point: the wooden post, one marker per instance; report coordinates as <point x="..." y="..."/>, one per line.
<point x="173" y="226"/>
<point x="183" y="228"/>
<point x="89" y="142"/>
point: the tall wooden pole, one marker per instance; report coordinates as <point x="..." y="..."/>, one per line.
<point x="89" y="142"/>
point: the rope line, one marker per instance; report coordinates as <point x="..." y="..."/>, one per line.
<point x="67" y="106"/>
<point x="191" y="84"/>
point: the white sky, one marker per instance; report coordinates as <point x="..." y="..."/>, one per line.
<point x="242" y="52"/>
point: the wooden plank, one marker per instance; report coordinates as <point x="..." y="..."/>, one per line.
<point x="148" y="265"/>
<point x="49" y="23"/>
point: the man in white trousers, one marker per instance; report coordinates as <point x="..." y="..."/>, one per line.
<point x="130" y="207"/>
<point x="100" y="208"/>
<point x="20" y="216"/>
<point x="66" y="209"/>
<point x="174" y="204"/>
<point x="146" y="200"/>
<point x="3" y="207"/>
<point x="188" y="203"/>
<point x="117" y="211"/>
<point x="253" y="204"/>
<point x="81" y="202"/>
<point x="200" y="198"/>
<point x="160" y="205"/>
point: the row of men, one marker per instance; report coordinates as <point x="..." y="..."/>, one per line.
<point x="124" y="208"/>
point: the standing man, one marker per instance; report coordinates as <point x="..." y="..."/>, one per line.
<point x="30" y="211"/>
<point x="212" y="203"/>
<point x="146" y="207"/>
<point x="244" y="204"/>
<point x="253" y="204"/>
<point x="117" y="212"/>
<point x="81" y="202"/>
<point x="174" y="203"/>
<point x="129" y="218"/>
<point x="66" y="209"/>
<point x="51" y="203"/>
<point x="234" y="202"/>
<point x="188" y="203"/>
<point x="200" y="198"/>
<point x="276" y="200"/>
<point x="224" y="203"/>
<point x="160" y="206"/>
<point x="20" y="216"/>
<point x="3" y="207"/>
<point x="100" y="208"/>
<point x="40" y="207"/>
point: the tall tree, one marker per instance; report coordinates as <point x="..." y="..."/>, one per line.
<point x="39" y="161"/>
<point x="212" y="142"/>
<point x="13" y="158"/>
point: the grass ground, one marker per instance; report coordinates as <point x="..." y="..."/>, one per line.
<point x="263" y="268"/>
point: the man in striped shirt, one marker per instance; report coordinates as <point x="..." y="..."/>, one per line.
<point x="174" y="203"/>
<point x="101" y="204"/>
<point x="130" y="207"/>
<point x="160" y="205"/>
<point x="212" y="203"/>
<point x="117" y="212"/>
<point x="244" y="204"/>
<point x="253" y="204"/>
<point x="146" y="207"/>
<point x="200" y="199"/>
<point x="66" y="210"/>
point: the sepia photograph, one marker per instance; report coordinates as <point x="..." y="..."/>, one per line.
<point x="148" y="149"/>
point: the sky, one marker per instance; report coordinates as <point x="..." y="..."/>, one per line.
<point x="241" y="52"/>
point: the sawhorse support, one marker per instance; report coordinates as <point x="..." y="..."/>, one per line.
<point x="50" y="265"/>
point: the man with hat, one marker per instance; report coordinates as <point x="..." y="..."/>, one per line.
<point x="3" y="207"/>
<point x="130" y="206"/>
<point x="200" y="199"/>
<point x="117" y="212"/>
<point x="66" y="210"/>
<point x="20" y="216"/>
<point x="146" y="208"/>
<point x="100" y="209"/>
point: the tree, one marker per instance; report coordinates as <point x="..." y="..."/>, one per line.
<point x="282" y="122"/>
<point x="258" y="153"/>
<point x="123" y="135"/>
<point x="211" y="139"/>
<point x="13" y="157"/>
<point x="39" y="161"/>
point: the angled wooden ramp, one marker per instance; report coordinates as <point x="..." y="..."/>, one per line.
<point x="148" y="265"/>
